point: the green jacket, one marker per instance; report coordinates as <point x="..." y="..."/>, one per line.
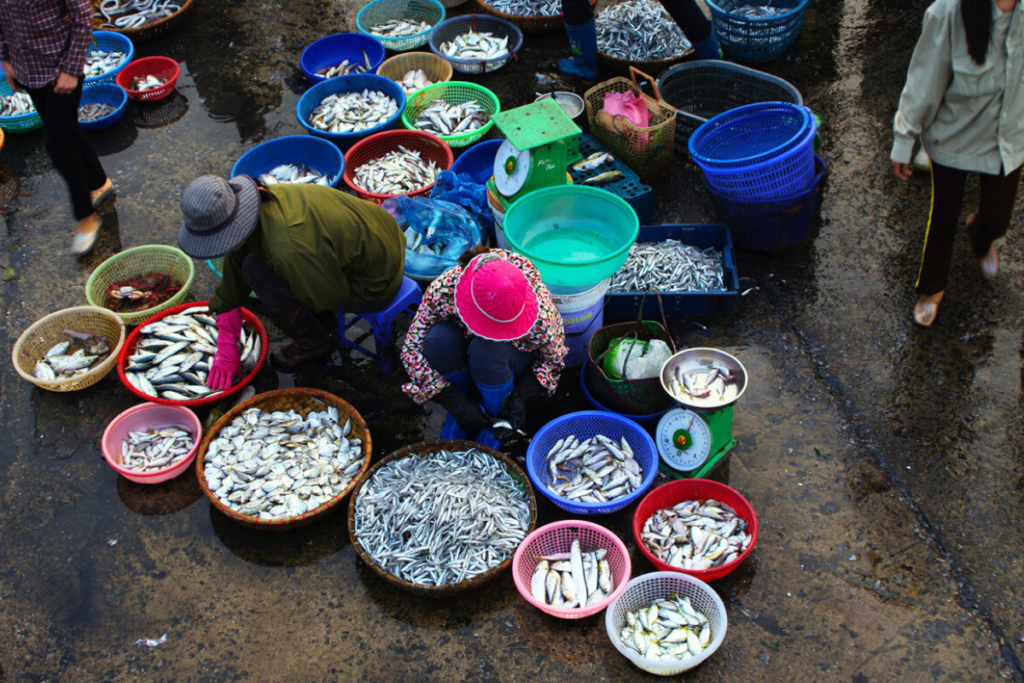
<point x="328" y="245"/>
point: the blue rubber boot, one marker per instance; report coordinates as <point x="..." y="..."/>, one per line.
<point x="583" y="45"/>
<point x="493" y="395"/>
<point x="451" y="429"/>
<point x="708" y="48"/>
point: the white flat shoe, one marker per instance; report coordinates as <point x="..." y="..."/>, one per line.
<point x="927" y="309"/>
<point x="990" y="263"/>
<point x="83" y="242"/>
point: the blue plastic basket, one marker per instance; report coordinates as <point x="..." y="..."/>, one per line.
<point x="584" y="425"/>
<point x="756" y="40"/>
<point x="378" y="11"/>
<point x="482" y="23"/>
<point x="104" y="93"/>
<point x="356" y="83"/>
<point x="108" y="41"/>
<point x="478" y="161"/>
<point x="316" y="153"/>
<point x="334" y="49"/>
<point x="22" y="123"/>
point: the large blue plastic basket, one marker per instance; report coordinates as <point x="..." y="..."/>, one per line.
<point x="584" y="425"/>
<point x="756" y="40"/>
<point x="315" y="153"/>
<point x="355" y="83"/>
<point x="379" y="11"/>
<point x="450" y="29"/>
<point x="104" y="93"/>
<point x="108" y="41"/>
<point x="334" y="49"/>
<point x="22" y="123"/>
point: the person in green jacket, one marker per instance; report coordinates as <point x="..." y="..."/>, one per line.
<point x="305" y="250"/>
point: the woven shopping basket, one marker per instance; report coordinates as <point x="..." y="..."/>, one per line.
<point x="630" y="396"/>
<point x="645" y="149"/>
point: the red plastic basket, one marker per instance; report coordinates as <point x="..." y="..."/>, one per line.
<point x="677" y="491"/>
<point x="558" y="538"/>
<point x="251" y="321"/>
<point x="161" y="67"/>
<point x="430" y="147"/>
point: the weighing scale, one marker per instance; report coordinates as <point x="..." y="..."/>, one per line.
<point x="694" y="439"/>
<point x="541" y="142"/>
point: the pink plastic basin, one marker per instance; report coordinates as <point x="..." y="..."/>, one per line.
<point x="150" y="416"/>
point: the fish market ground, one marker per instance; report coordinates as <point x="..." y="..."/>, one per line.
<point x="883" y="461"/>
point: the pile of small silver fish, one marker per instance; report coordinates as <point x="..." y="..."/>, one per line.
<point x="475" y="45"/>
<point x="441" y="118"/>
<point x="98" y="62"/>
<point x="639" y="30"/>
<point x="696" y="535"/>
<point x="280" y="465"/>
<point x="667" y="630"/>
<point x="94" y="112"/>
<point x="154" y="449"/>
<point x="593" y="161"/>
<point x="128" y="14"/>
<point x="441" y="518"/>
<point x="294" y="174"/>
<point x="414" y="80"/>
<point x="527" y="8"/>
<point x="669" y="266"/>
<point x="574" y="579"/>
<point x="172" y="357"/>
<point x="16" y="105"/>
<point x="349" y="112"/>
<point x="347" y="67"/>
<point x="714" y="383"/>
<point x="396" y="172"/>
<point x="760" y="11"/>
<point x="399" y="28"/>
<point x="595" y="470"/>
<point x="59" y="364"/>
<point x="145" y="83"/>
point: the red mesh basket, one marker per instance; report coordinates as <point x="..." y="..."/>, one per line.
<point x="430" y="147"/>
<point x="161" y="67"/>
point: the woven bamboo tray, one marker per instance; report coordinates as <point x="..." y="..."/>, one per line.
<point x="528" y="24"/>
<point x="302" y="401"/>
<point x="134" y="262"/>
<point x="427" y="447"/>
<point x="436" y="68"/>
<point x="148" y="31"/>
<point x="41" y="336"/>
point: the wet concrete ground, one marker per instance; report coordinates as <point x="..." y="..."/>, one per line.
<point x="883" y="460"/>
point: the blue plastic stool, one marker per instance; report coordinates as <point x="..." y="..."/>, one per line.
<point x="409" y="295"/>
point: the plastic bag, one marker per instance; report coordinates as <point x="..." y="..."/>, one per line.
<point x="636" y="358"/>
<point x="438" y="233"/>
<point x="461" y="189"/>
<point x="630" y="105"/>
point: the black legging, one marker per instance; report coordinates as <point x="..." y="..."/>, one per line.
<point x="695" y="25"/>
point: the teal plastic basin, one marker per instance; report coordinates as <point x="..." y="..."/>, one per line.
<point x="575" y="235"/>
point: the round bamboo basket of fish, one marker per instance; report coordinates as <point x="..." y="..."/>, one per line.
<point x="134" y="262"/>
<point x="147" y="31"/>
<point x="528" y="24"/>
<point x="42" y="335"/>
<point x="426" y="448"/>
<point x="302" y="401"/>
<point x="435" y="68"/>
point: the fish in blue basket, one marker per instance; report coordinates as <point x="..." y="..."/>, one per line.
<point x="593" y="161"/>
<point x="350" y="112"/>
<point x="639" y="30"/>
<point x="603" y="178"/>
<point x="294" y="174"/>
<point x="760" y="11"/>
<point x="99" y="62"/>
<point x="399" y="28"/>
<point x="475" y="45"/>
<point x="669" y="266"/>
<point x="347" y="67"/>
<point x="595" y="470"/>
<point x="17" y="104"/>
<point x="94" y="112"/>
<point x="527" y="8"/>
<point x="442" y="118"/>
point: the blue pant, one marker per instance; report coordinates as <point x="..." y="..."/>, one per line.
<point x="490" y="362"/>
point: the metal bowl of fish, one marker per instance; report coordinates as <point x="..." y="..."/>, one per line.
<point x="571" y="103"/>
<point x="341" y="54"/>
<point x="462" y="509"/>
<point x="149" y="79"/>
<point x="666" y="623"/>
<point x="349" y="108"/>
<point x="571" y="569"/>
<point x="639" y="33"/>
<point x="70" y="349"/>
<point x="283" y="458"/>
<point x="167" y="358"/>
<point x="476" y="43"/>
<point x="530" y="16"/>
<point x="396" y="162"/>
<point x="592" y="462"/>
<point x="695" y="526"/>
<point x="458" y="112"/>
<point x="704" y="379"/>
<point x="400" y="24"/>
<point x="293" y="160"/>
<point x="151" y="443"/>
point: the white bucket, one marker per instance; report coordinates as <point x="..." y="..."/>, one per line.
<point x="582" y="310"/>
<point x="499" y="230"/>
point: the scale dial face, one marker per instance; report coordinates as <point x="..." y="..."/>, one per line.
<point x="683" y="439"/>
<point x="511" y="169"/>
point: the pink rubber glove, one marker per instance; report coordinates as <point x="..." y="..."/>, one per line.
<point x="227" y="362"/>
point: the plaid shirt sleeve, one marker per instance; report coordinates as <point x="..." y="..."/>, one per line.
<point x="80" y="14"/>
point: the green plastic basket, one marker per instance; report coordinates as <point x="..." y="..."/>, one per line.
<point x="453" y="92"/>
<point x="149" y="258"/>
<point x="22" y="123"/>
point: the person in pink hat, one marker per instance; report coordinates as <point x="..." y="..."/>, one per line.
<point x="488" y="325"/>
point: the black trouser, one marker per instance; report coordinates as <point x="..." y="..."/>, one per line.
<point x="695" y="25"/>
<point x="490" y="362"/>
<point x="68" y="146"/>
<point x="274" y="291"/>
<point x="995" y="209"/>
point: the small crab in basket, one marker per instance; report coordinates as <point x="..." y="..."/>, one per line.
<point x="140" y="292"/>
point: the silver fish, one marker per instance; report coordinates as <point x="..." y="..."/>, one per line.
<point x="17" y="104"/>
<point x="669" y="266"/>
<point x="711" y="385"/>
<point x="155" y="449"/>
<point x="577" y="583"/>
<point x="94" y="112"/>
<point x="696" y="535"/>
<point x="603" y="178"/>
<point x="294" y="174"/>
<point x="596" y="470"/>
<point x="414" y="80"/>
<point x="396" y="172"/>
<point x="347" y="67"/>
<point x="639" y="30"/>
<point x="350" y="112"/>
<point x="57" y="363"/>
<point x="399" y="28"/>
<point x="593" y="161"/>
<point x="442" y="118"/>
<point x="99" y="62"/>
<point x="527" y="8"/>
<point x="666" y="630"/>
<point x="475" y="45"/>
<point x="146" y="83"/>
<point x="760" y="11"/>
<point x="129" y="14"/>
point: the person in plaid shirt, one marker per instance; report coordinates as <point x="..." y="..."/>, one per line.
<point x="43" y="45"/>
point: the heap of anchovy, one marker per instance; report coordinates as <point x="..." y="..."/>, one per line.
<point x="128" y="14"/>
<point x="172" y="357"/>
<point x="94" y="112"/>
<point x="347" y="67"/>
<point x="349" y="112"/>
<point x="293" y="174"/>
<point x="396" y="172"/>
<point x="573" y="580"/>
<point x="441" y="118"/>
<point x="155" y="449"/>
<point x="669" y="266"/>
<point x="399" y="28"/>
<point x="639" y="30"/>
<point x="696" y="535"/>
<point x="59" y="364"/>
<point x="16" y="105"/>
<point x="667" y="630"/>
<point x="144" y="83"/>
<point x="441" y="518"/>
<point x="475" y="45"/>
<point x="99" y="62"/>
<point x="709" y="385"/>
<point x="760" y="11"/>
<point x="281" y="465"/>
<point x="414" y="80"/>
<point x="527" y="8"/>
<point x="595" y="470"/>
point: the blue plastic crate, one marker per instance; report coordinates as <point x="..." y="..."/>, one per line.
<point x="702" y="236"/>
<point x="635" y="193"/>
